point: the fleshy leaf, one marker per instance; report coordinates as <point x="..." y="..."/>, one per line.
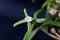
<point x="38" y="12"/>
<point x="40" y="20"/>
<point x="18" y="23"/>
<point x="29" y="25"/>
<point x="48" y="16"/>
<point x="26" y="37"/>
<point x="44" y="5"/>
<point x="33" y="33"/>
<point x="25" y="12"/>
<point x="49" y="4"/>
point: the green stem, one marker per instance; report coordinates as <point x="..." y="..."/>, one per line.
<point x="38" y="12"/>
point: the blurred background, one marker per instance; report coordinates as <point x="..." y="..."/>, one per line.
<point x="11" y="11"/>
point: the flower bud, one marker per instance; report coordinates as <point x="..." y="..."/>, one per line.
<point x="59" y="14"/>
<point x="57" y="1"/>
<point x="53" y="30"/>
<point x="52" y="11"/>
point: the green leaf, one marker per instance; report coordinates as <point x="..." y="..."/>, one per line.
<point x="28" y="33"/>
<point x="57" y="19"/>
<point x="18" y="23"/>
<point x="38" y="12"/>
<point x="40" y="20"/>
<point x="59" y="31"/>
<point x="25" y="12"/>
<point x="33" y="33"/>
<point x="45" y="28"/>
<point x="53" y="23"/>
<point x="48" y="16"/>
<point x="26" y="37"/>
<point x="49" y="4"/>
<point x="29" y="25"/>
<point x="45" y="4"/>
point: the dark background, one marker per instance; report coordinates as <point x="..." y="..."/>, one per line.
<point x="11" y="11"/>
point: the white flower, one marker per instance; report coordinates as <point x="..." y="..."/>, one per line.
<point x="59" y="14"/>
<point x="57" y="1"/>
<point x="28" y="19"/>
<point x="52" y="11"/>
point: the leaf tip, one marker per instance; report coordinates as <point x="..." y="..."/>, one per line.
<point x="14" y="25"/>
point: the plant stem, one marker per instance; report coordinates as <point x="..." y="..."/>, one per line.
<point x="49" y="34"/>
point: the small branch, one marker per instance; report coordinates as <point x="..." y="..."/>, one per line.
<point x="49" y="34"/>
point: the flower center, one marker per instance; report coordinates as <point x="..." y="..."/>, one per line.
<point x="28" y="19"/>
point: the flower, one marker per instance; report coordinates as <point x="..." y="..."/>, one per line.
<point x="52" y="11"/>
<point x="57" y="1"/>
<point x="53" y="30"/>
<point x="59" y="14"/>
<point x="28" y="19"/>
